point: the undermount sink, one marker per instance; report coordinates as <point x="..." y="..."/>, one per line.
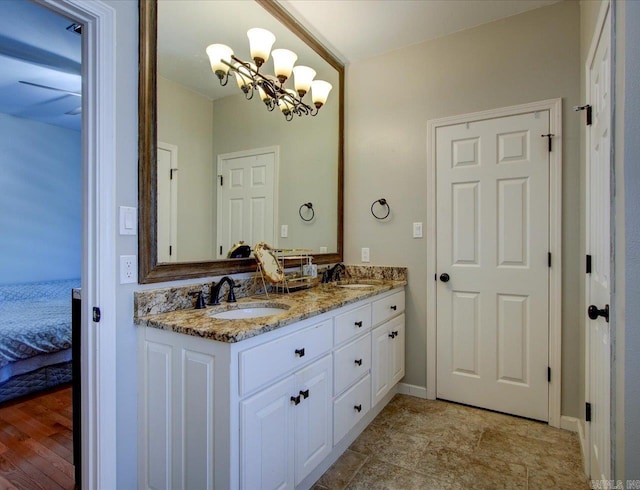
<point x="358" y="284"/>
<point x="250" y="311"/>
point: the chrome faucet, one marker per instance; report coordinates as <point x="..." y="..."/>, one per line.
<point x="333" y="273"/>
<point x="215" y="291"/>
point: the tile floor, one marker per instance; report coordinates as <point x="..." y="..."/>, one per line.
<point x="422" y="444"/>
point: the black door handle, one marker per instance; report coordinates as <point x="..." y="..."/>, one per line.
<point x="444" y="277"/>
<point x="594" y="312"/>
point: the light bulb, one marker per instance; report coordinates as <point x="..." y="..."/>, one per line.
<point x="302" y="77"/>
<point x="320" y="92"/>
<point x="260" y="42"/>
<point x="243" y="76"/>
<point x="218" y="53"/>
<point x="283" y="61"/>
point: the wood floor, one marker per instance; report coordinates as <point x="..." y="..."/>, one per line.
<point x="36" y="442"/>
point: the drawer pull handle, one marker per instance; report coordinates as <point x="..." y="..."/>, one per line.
<point x="357" y="408"/>
<point x="392" y="335"/>
<point x="358" y="362"/>
<point x="393" y="307"/>
<point x="358" y="324"/>
<point x="304" y="394"/>
<point x="300" y="352"/>
<point x="295" y="400"/>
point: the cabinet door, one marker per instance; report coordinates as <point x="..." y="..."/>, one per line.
<point x="314" y="416"/>
<point x="397" y="346"/>
<point x="380" y="363"/>
<point x="267" y="437"/>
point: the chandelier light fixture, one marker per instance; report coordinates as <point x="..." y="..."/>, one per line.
<point x="271" y="89"/>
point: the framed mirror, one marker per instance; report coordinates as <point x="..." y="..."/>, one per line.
<point x="198" y="142"/>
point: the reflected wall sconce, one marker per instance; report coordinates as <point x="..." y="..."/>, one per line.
<point x="271" y="88"/>
<point x="382" y="202"/>
<point x="309" y="207"/>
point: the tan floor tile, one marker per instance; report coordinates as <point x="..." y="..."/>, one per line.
<point x="469" y="471"/>
<point x="391" y="446"/>
<point x="542" y="480"/>
<point x="343" y="470"/>
<point x="378" y="475"/>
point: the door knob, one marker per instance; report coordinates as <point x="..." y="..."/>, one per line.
<point x="444" y="277"/>
<point x="594" y="312"/>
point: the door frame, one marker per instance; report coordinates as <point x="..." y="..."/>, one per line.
<point x="276" y="198"/>
<point x="554" y="106"/>
<point x="175" y="165"/>
<point x="98" y="362"/>
<point x="605" y="8"/>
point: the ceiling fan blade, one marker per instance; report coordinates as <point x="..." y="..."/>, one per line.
<point x="75" y="112"/>
<point x="69" y="92"/>
<point x="30" y="54"/>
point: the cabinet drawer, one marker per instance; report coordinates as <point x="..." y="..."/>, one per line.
<point x="352" y="323"/>
<point x="350" y="408"/>
<point x="265" y="362"/>
<point x="388" y="307"/>
<point x="351" y="362"/>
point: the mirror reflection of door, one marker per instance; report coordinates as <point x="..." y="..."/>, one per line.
<point x="167" y="202"/>
<point x="246" y="198"/>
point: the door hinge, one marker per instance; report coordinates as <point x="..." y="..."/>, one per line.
<point x="549" y="374"/>
<point x="170" y="249"/>
<point x="96" y="314"/>
<point x="588" y="264"/>
<point x="171" y="170"/>
<point x="221" y="180"/>
<point x="586" y="107"/>
<point x="587" y="412"/>
<point x="220" y="249"/>
<point x="550" y="137"/>
<point x="435" y="277"/>
<point x="549" y="259"/>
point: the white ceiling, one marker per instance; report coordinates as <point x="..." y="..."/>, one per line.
<point x="35" y="47"/>
<point x="359" y="29"/>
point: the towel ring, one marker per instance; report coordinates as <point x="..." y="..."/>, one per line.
<point x="382" y="202"/>
<point x="308" y="205"/>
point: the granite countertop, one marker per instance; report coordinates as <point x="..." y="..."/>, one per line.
<point x="302" y="304"/>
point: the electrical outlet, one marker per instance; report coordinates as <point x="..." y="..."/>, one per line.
<point x="128" y="269"/>
<point x="284" y="231"/>
<point x="417" y="230"/>
<point x="364" y="255"/>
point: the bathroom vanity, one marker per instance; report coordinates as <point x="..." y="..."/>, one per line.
<point x="268" y="402"/>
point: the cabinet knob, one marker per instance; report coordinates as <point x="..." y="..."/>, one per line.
<point x="357" y="408"/>
<point x="392" y="335"/>
<point x="300" y="352"/>
<point x="358" y="324"/>
<point x="358" y="362"/>
<point x="395" y="333"/>
<point x="295" y="400"/>
<point x="394" y="307"/>
<point x="304" y="394"/>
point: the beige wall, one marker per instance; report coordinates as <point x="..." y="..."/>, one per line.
<point x="308" y="162"/>
<point x="530" y="57"/>
<point x="185" y="119"/>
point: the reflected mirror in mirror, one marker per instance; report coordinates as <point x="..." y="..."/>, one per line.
<point x="227" y="168"/>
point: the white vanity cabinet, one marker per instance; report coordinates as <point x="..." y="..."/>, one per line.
<point x="388" y="345"/>
<point x="286" y="429"/>
<point x="273" y="411"/>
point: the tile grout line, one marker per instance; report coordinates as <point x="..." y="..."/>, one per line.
<point x="355" y="473"/>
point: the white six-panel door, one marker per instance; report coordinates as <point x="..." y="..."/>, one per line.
<point x="598" y="246"/>
<point x="493" y="243"/>
<point x="246" y="199"/>
<point x="167" y="185"/>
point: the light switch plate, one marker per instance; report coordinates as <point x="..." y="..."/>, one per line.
<point x="323" y="250"/>
<point x="417" y="230"/>
<point x="364" y="255"/>
<point x="284" y="231"/>
<point x="128" y="220"/>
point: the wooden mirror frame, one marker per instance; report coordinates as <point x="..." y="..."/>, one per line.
<point x="149" y="270"/>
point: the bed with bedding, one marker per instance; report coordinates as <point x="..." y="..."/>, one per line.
<point x="35" y="336"/>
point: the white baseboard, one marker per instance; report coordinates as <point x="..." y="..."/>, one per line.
<point x="413" y="390"/>
<point x="569" y="423"/>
